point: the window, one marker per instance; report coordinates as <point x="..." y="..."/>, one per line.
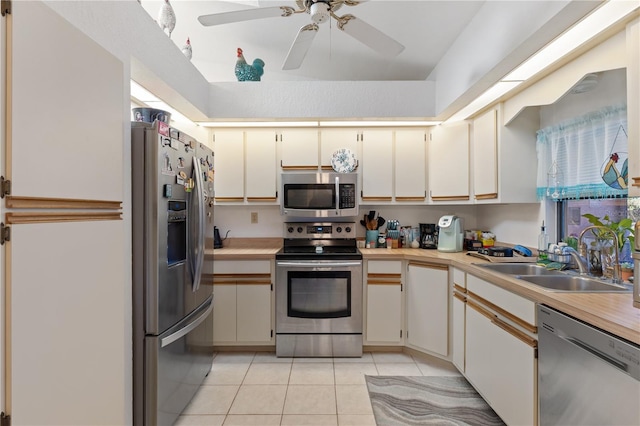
<point x="571" y="222"/>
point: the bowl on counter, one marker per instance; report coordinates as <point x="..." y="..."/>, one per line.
<point x="149" y="115"/>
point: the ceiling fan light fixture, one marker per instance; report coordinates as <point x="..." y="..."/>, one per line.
<point x="319" y="12"/>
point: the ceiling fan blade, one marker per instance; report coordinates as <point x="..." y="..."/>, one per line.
<point x="300" y="47"/>
<point x="371" y="36"/>
<point x="245" y="15"/>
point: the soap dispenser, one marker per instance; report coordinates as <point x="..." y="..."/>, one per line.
<point x="543" y="242"/>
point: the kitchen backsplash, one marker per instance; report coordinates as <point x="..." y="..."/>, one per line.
<point x="517" y="224"/>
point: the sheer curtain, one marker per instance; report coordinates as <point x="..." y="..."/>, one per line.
<point x="585" y="157"/>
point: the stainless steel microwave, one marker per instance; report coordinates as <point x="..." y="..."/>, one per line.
<point x="324" y="194"/>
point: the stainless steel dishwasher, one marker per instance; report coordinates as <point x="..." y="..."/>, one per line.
<point x="585" y="376"/>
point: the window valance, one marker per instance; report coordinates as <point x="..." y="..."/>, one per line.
<point x="585" y="157"/>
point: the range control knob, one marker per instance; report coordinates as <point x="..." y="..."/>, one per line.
<point x="299" y="229"/>
<point x="348" y="229"/>
<point x="290" y="229"/>
<point x="338" y="229"/>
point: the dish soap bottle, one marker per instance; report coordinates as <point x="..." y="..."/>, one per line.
<point x="543" y="242"/>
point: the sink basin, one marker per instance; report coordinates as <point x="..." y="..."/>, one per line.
<point x="518" y="268"/>
<point x="571" y="283"/>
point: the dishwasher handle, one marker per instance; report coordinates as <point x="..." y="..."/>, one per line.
<point x="593" y="351"/>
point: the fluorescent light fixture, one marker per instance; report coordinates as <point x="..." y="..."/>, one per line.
<point x="258" y="123"/>
<point x="377" y="123"/>
<point x="142" y="94"/>
<point x="602" y="18"/>
<point x="152" y="101"/>
<point x="489" y="96"/>
<point x="239" y="124"/>
<point x="175" y="115"/>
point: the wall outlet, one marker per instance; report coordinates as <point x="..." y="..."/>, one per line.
<point x="254" y="217"/>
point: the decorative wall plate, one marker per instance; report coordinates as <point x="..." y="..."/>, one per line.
<point x="343" y="161"/>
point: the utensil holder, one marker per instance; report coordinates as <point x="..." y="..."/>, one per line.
<point x="372" y="238"/>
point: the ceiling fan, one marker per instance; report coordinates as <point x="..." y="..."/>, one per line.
<point x="321" y="11"/>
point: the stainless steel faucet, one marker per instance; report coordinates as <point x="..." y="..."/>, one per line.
<point x="581" y="261"/>
<point x="583" y="251"/>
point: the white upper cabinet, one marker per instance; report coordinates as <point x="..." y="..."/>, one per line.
<point x="485" y="156"/>
<point x="332" y="140"/>
<point x="377" y="165"/>
<point x="410" y="165"/>
<point x="260" y="171"/>
<point x="229" y="165"/>
<point x="448" y="163"/>
<point x="299" y="149"/>
<point x="504" y="157"/>
<point x="245" y="166"/>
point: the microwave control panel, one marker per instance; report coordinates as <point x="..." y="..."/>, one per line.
<point x="347" y="196"/>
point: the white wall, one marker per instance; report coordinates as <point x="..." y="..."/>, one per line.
<point x="611" y="90"/>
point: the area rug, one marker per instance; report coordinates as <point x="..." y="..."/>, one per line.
<point x="428" y="400"/>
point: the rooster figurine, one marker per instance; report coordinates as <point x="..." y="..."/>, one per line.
<point x="167" y="17"/>
<point x="186" y="49"/>
<point x="246" y="72"/>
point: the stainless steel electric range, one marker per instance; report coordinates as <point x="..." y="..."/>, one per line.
<point x="319" y="291"/>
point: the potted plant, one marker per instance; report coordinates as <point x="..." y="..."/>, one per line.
<point x="623" y="230"/>
<point x="626" y="271"/>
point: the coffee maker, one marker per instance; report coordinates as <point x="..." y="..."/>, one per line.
<point x="428" y="236"/>
<point x="450" y="238"/>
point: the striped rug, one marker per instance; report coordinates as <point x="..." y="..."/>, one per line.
<point x="428" y="400"/>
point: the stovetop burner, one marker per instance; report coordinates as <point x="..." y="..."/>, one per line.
<point x="324" y="240"/>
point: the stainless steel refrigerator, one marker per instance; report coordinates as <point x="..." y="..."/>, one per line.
<point x="172" y="216"/>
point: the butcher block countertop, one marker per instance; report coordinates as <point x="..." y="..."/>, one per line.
<point x="613" y="312"/>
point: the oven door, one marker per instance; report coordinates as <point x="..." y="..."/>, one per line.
<point x="318" y="296"/>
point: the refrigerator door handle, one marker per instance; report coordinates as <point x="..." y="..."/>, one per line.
<point x="186" y="330"/>
<point x="199" y="261"/>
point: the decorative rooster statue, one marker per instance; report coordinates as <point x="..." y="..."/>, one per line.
<point x="167" y="17"/>
<point x="246" y="72"/>
<point x="186" y="49"/>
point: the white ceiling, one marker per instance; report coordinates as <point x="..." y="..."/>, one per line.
<point x="426" y="28"/>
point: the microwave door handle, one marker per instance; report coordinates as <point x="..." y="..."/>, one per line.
<point x="337" y="195"/>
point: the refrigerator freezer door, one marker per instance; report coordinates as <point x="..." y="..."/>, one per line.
<point x="177" y="363"/>
<point x="161" y="171"/>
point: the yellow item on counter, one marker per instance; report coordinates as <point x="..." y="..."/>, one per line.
<point x="488" y="242"/>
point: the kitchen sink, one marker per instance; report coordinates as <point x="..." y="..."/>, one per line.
<point x="571" y="283"/>
<point x="518" y="268"/>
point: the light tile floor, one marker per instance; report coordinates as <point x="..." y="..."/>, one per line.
<point x="261" y="389"/>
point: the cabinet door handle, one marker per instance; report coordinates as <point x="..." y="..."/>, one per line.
<point x="515" y="333"/>
<point x="459" y="297"/>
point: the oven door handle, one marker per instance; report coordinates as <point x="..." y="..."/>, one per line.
<point x="318" y="264"/>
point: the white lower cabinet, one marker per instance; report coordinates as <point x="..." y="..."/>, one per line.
<point x="501" y="356"/>
<point x="384" y="303"/>
<point x="242" y="302"/>
<point x="458" y="319"/>
<point x="428" y="307"/>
